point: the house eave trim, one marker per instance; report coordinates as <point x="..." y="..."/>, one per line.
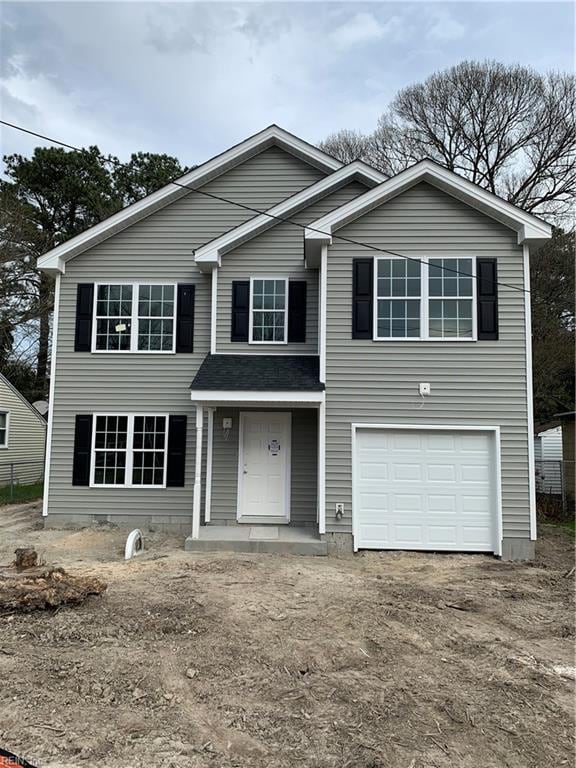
<point x="529" y="227"/>
<point x="271" y="136"/>
<point x="254" y="396"/>
<point x="211" y="253"/>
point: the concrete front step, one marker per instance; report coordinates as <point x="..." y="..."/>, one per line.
<point x="283" y="539"/>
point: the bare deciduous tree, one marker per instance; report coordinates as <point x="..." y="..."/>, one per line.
<point x="347" y="145"/>
<point x="507" y="128"/>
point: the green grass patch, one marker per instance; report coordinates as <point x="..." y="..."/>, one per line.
<point x="21" y="493"/>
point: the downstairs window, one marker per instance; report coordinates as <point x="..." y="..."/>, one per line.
<point x="129" y="450"/>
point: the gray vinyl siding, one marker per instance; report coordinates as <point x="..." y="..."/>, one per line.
<point x="278" y="252"/>
<point x="480" y="383"/>
<point x="26" y="440"/>
<point x="158" y="248"/>
<point x="304" y="467"/>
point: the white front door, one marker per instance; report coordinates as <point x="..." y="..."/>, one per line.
<point x="264" y="467"/>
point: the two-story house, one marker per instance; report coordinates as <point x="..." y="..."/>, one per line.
<point x="284" y="353"/>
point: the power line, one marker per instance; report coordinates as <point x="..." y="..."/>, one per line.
<point x="200" y="191"/>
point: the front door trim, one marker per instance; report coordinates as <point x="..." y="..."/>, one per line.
<point x="288" y="470"/>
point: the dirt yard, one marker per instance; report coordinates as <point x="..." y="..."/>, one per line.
<point x="382" y="660"/>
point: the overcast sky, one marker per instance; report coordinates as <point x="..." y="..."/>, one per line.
<point x="190" y="79"/>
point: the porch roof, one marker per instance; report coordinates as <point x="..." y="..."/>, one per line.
<point x="261" y="373"/>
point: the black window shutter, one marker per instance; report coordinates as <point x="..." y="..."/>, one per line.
<point x="82" y="450"/>
<point x="297" y="311"/>
<point x="185" y="319"/>
<point x="240" y="310"/>
<point x="176" y="451"/>
<point x="487" y="298"/>
<point x="84" y="310"/>
<point x="362" y="298"/>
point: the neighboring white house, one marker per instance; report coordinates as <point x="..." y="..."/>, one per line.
<point x="22" y="437"/>
<point x="548" y="460"/>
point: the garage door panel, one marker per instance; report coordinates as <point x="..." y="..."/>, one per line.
<point x="408" y="535"/>
<point x="476" y="473"/>
<point x="441" y="473"/>
<point x="445" y="504"/>
<point x="376" y="533"/>
<point x="407" y="472"/>
<point x="440" y="443"/>
<point x="473" y="443"/>
<point x="408" y="502"/>
<point x="472" y="505"/>
<point x="425" y="490"/>
<point x="443" y="534"/>
<point x="475" y="537"/>
<point x="373" y="470"/>
<point x="374" y="501"/>
<point x="409" y="441"/>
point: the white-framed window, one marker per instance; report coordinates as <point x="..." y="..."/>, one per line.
<point x="268" y="310"/>
<point x="134" y="317"/>
<point x="129" y="450"/>
<point x="425" y="298"/>
<point x="4" y="424"/>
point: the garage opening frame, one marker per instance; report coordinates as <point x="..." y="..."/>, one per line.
<point x="493" y="430"/>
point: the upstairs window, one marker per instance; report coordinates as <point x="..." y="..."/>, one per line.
<point x="134" y="318"/>
<point x="451" y="302"/>
<point x="114" y="317"/>
<point x="399" y="289"/>
<point x="4" y="429"/>
<point x="156" y="318"/>
<point x="268" y="315"/>
<point x="129" y="450"/>
<point x="425" y="298"/>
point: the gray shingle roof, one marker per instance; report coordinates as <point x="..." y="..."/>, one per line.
<point x="259" y="372"/>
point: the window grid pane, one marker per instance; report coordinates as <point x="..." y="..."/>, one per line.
<point x="149" y="450"/>
<point x="156" y="318"/>
<point x="113" y="317"/>
<point x="110" y="441"/>
<point x="268" y="310"/>
<point x="3" y="428"/>
<point x="399" y="289"/>
<point x="450" y="285"/>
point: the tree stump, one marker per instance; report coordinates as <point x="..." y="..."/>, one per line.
<point x="26" y="557"/>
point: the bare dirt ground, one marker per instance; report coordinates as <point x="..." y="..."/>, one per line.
<point x="382" y="660"/>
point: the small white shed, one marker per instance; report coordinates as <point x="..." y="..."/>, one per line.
<point x="548" y="460"/>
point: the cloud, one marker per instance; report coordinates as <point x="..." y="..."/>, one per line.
<point x="365" y="28"/>
<point x="446" y="27"/>
<point x="191" y="79"/>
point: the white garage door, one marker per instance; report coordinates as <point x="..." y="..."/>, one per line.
<point x="430" y="490"/>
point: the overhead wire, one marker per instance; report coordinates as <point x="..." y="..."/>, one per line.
<point x="199" y="190"/>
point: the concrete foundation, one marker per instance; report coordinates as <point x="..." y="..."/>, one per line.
<point x="175" y="525"/>
<point x="300" y="540"/>
<point x="518" y="549"/>
<point x="338" y="544"/>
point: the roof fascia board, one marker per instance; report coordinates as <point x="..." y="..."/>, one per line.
<point x="23" y="399"/>
<point x="256" y="396"/>
<point x="209" y="255"/>
<point x="54" y="261"/>
<point x="529" y="227"/>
